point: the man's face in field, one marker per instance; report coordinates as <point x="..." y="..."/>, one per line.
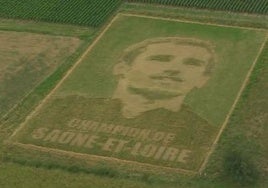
<point x="159" y="76"/>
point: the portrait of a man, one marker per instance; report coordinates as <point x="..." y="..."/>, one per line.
<point x="160" y="72"/>
<point x="145" y="94"/>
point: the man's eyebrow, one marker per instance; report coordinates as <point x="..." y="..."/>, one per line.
<point x="193" y="61"/>
<point x="161" y="58"/>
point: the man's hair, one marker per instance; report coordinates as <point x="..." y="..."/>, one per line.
<point x="135" y="50"/>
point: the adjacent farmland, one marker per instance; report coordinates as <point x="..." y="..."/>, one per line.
<point x="95" y="12"/>
<point x="26" y="59"/>
<point x="249" y="6"/>
<point x="82" y="12"/>
<point x="247" y="131"/>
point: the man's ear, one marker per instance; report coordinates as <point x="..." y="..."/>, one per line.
<point x="120" y="68"/>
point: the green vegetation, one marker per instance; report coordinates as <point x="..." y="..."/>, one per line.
<point x="80" y="12"/>
<point x="240" y="168"/>
<point x="203" y="16"/>
<point x="257" y="7"/>
<point x="244" y="142"/>
<point x="94" y="13"/>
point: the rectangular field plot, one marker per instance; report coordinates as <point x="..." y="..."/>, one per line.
<point x="150" y="92"/>
<point x="25" y="60"/>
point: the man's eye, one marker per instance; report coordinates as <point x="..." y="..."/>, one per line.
<point x="193" y="61"/>
<point x="161" y="58"/>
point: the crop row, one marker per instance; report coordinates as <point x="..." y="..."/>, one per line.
<point x="95" y="12"/>
<point x="246" y="6"/>
<point x="81" y="12"/>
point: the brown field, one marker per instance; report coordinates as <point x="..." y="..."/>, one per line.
<point x="25" y="60"/>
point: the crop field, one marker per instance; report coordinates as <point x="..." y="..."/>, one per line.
<point x="94" y="13"/>
<point x="83" y="12"/>
<point x="145" y="97"/>
<point x="257" y="7"/>
<point x="26" y="59"/>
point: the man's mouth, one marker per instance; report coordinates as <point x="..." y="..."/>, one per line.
<point x="173" y="75"/>
<point x="153" y="94"/>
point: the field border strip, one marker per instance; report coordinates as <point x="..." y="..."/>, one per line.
<point x="191" y="22"/>
<point x="99" y="158"/>
<point x="226" y="121"/>
<point x="63" y="79"/>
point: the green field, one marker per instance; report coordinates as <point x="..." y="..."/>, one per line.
<point x="246" y="131"/>
<point x="83" y="108"/>
<point x="257" y="7"/>
<point x="95" y="13"/>
<point x="207" y="16"/>
<point x="82" y="12"/>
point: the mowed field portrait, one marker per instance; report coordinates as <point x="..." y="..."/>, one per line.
<point x="149" y="92"/>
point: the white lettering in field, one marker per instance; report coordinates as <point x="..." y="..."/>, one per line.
<point x="95" y="142"/>
<point x="118" y="130"/>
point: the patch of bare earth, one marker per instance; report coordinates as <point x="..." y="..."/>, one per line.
<point x="18" y="48"/>
<point x="26" y="59"/>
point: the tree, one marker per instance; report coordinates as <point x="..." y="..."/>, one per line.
<point x="240" y="168"/>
